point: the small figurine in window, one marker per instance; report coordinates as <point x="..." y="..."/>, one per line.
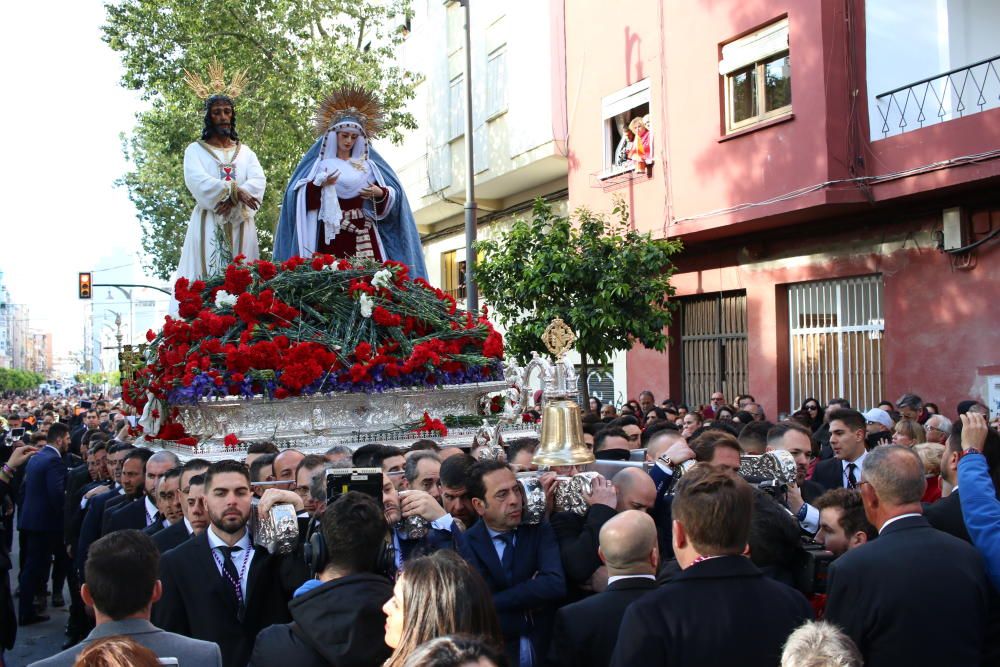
<point x="641" y="150"/>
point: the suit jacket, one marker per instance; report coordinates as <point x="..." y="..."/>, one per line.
<point x="44" y="485"/>
<point x="163" y="644"/>
<point x="585" y="632"/>
<point x="156" y="526"/>
<point x="197" y="602"/>
<point x="526" y="605"/>
<point x="811" y="491"/>
<point x="946" y="515"/>
<point x="829" y="474"/>
<point x="171" y="536"/>
<point x="578" y="541"/>
<point x="90" y="529"/>
<point x="126" y="516"/>
<point x="878" y="594"/>
<point x="113" y="506"/>
<point x="720" y="612"/>
<point x="76" y="481"/>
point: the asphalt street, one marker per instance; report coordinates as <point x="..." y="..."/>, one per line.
<point x="37" y="641"/>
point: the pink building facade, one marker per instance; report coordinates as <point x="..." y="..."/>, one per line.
<point x="837" y="197"/>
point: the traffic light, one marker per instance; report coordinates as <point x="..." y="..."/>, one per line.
<point x="85" y="285"/>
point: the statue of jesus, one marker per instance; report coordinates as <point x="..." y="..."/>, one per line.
<point x="227" y="183"/>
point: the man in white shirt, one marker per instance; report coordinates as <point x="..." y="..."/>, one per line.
<point x="847" y="438"/>
<point x="218" y="586"/>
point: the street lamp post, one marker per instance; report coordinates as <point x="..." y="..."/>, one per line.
<point x="471" y="291"/>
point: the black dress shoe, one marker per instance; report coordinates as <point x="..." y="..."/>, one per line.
<point x="32" y="620"/>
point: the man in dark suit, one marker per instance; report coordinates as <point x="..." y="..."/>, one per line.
<point x="946" y="514"/>
<point x="797" y="441"/>
<point x="41" y="517"/>
<point x="218" y="586"/>
<point x="94" y="505"/>
<point x="80" y="481"/>
<point x="91" y="422"/>
<point x="585" y="632"/>
<point x="521" y="564"/>
<point x="195" y="520"/>
<point x="143" y="512"/>
<point x="630" y="489"/>
<point x="847" y="438"/>
<point x="168" y="501"/>
<point x="720" y="610"/>
<point x="843" y="524"/>
<point x="879" y="593"/>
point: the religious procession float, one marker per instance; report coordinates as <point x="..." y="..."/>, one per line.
<point x="340" y="339"/>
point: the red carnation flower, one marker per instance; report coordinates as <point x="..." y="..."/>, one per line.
<point x="231" y="440"/>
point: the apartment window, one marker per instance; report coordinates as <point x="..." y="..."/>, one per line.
<point x="496" y="82"/>
<point x="757" y="77"/>
<point x="456" y="119"/>
<point x="835" y="332"/>
<point x="617" y="111"/>
<point x="453" y="273"/>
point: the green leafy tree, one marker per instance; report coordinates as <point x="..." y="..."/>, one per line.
<point x="13" y="379"/>
<point x="295" y="51"/>
<point x="608" y="282"/>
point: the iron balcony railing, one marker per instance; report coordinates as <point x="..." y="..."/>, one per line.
<point x="936" y="99"/>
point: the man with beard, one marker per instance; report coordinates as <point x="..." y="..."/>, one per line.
<point x="218" y="586"/>
<point x="226" y="180"/>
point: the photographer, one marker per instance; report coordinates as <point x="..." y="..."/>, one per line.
<point x="337" y="616"/>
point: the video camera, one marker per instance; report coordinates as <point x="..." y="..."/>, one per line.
<point x="770" y="472"/>
<point x="811" y="577"/>
<point x="363" y="480"/>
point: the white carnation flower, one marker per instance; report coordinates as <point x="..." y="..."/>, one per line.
<point x="331" y="267"/>
<point x="224" y="298"/>
<point x="367" y="305"/>
<point x="382" y="278"/>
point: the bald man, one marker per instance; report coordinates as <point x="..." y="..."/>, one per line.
<point x="585" y="632"/>
<point x="631" y="489"/>
<point x="285" y="464"/>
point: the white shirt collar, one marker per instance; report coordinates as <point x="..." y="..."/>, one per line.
<point x="187" y="524"/>
<point x="53" y="448"/>
<point x="214" y="541"/>
<point x="859" y="462"/>
<point x="897" y="518"/>
<point x="620" y="577"/>
<point x="151" y="508"/>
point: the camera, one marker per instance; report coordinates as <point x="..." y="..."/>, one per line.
<point x="364" y="480"/>
<point x="811" y="576"/>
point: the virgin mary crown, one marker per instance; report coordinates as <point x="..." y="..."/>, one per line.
<point x="350" y="106"/>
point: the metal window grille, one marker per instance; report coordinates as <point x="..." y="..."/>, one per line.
<point x="714" y="346"/>
<point x="600" y="384"/>
<point x="835" y="332"/>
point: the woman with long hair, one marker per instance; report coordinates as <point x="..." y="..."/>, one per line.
<point x="812" y="408"/>
<point x="438" y="595"/>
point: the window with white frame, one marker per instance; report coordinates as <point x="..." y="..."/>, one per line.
<point x="835" y="335"/>
<point x="757" y="77"/>
<point x="456" y="105"/>
<point x="618" y="110"/>
<point x="496" y="82"/>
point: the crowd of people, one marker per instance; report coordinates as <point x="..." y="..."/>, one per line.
<point x="675" y="559"/>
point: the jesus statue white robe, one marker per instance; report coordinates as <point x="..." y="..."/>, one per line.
<point x="211" y="174"/>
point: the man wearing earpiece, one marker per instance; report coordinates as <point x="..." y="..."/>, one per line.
<point x="337" y="615"/>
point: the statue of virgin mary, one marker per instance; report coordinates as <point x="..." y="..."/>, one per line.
<point x="343" y="199"/>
